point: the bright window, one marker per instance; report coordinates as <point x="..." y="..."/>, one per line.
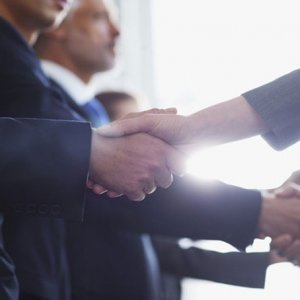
<point x="209" y="51"/>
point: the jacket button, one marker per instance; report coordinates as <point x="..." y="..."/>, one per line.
<point x="18" y="208"/>
<point x="55" y="210"/>
<point x="43" y="209"/>
<point x="31" y="209"/>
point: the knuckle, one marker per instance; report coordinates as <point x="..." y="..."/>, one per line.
<point x="155" y="167"/>
<point x="166" y="181"/>
<point x="137" y="196"/>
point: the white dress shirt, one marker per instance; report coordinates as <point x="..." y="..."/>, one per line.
<point x="73" y="85"/>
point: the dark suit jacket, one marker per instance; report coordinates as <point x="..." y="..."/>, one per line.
<point x="27" y="158"/>
<point x="33" y="237"/>
<point x="188" y="208"/>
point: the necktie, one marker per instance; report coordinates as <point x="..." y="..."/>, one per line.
<point x="96" y="112"/>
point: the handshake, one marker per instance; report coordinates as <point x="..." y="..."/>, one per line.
<point x="280" y="219"/>
<point x="141" y="152"/>
<point x="133" y="163"/>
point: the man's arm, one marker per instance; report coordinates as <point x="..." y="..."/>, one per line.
<point x="189" y="208"/>
<point x="237" y="268"/>
<point x="44" y="166"/>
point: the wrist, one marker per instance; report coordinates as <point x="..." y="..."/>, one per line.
<point x="95" y="155"/>
<point x="265" y="218"/>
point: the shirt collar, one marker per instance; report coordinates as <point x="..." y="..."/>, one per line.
<point x="73" y="85"/>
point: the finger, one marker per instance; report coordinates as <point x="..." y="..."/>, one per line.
<point x="90" y="184"/>
<point x="275" y="257"/>
<point x="98" y="189"/>
<point x="112" y="194"/>
<point x="136" y="196"/>
<point x="289" y="190"/>
<point x="149" y="187"/>
<point x="127" y="126"/>
<point x="281" y="243"/>
<point x="155" y="111"/>
<point x="164" y="178"/>
<point x="177" y="162"/>
<point x="169" y="110"/>
<point x="293" y="251"/>
<point x="143" y="122"/>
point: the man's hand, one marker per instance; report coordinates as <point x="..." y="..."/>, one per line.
<point x="280" y="216"/>
<point x="289" y="189"/>
<point x="294" y="177"/>
<point x="287" y="248"/>
<point x="290" y="186"/>
<point x="133" y="165"/>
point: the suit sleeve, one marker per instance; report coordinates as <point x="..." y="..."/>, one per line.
<point x="235" y="268"/>
<point x="189" y="208"/>
<point x="278" y="103"/>
<point x="44" y="166"/>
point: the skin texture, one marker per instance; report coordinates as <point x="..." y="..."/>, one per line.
<point x="131" y="169"/>
<point x="225" y="122"/>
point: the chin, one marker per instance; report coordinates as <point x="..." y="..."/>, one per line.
<point x="52" y="18"/>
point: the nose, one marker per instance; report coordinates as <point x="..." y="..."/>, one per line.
<point x="115" y="29"/>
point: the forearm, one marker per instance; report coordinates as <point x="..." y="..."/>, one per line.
<point x="225" y="122"/>
<point x="238" y="268"/>
<point x="189" y="208"/>
<point x="277" y="102"/>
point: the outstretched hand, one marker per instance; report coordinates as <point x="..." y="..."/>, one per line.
<point x="280" y="216"/>
<point x="150" y="162"/>
<point x="163" y="124"/>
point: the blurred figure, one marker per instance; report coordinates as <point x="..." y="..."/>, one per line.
<point x="118" y="103"/>
<point x="91" y="27"/>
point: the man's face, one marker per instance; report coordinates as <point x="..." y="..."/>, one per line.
<point x="37" y="14"/>
<point x="91" y="36"/>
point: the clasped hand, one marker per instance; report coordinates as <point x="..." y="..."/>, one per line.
<point x="133" y="165"/>
<point x="282" y="216"/>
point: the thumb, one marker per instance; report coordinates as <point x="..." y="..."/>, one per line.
<point x="177" y="162"/>
<point x="126" y="126"/>
<point x="154" y="111"/>
<point x="289" y="190"/>
<point x="281" y="242"/>
<point x="142" y="121"/>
